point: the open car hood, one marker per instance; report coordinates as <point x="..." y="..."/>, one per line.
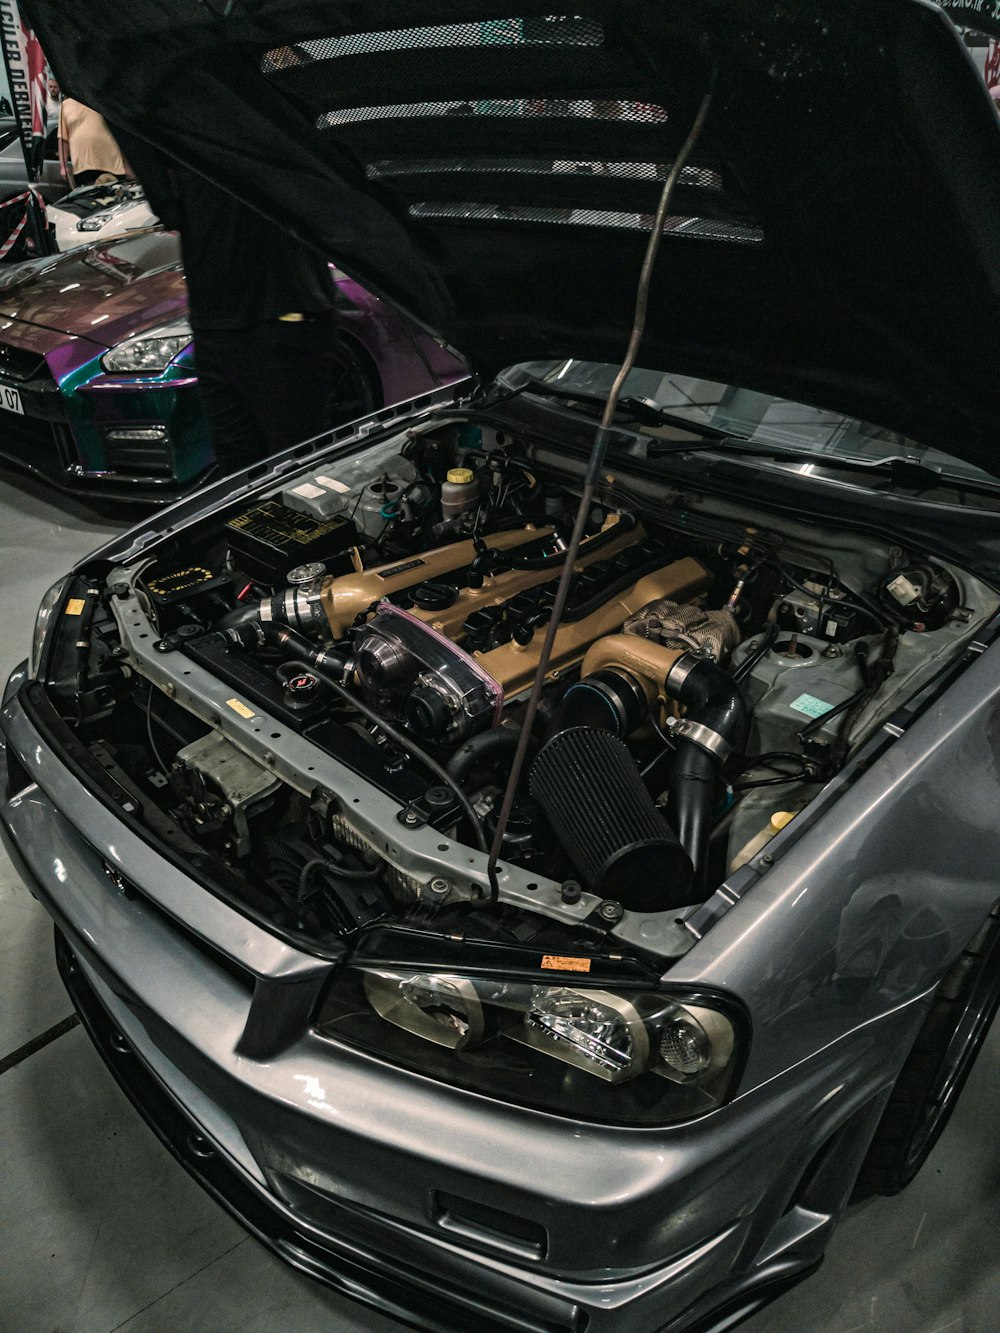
<point x="834" y="240"/>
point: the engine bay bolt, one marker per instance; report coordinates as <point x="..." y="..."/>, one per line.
<point x="439" y="887"/>
<point x="121" y="590"/>
<point x="411" y="817"/>
<point x="571" y="891"/>
<point x="170" y="689"/>
<point x="610" y="911"/>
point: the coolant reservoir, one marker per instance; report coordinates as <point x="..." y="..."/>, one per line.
<point x="459" y="492"/>
<point x="760" y="840"/>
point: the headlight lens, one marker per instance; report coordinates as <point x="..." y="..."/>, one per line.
<point x="638" y="1058"/>
<point x="150" y="352"/>
<point x="48" y="609"/>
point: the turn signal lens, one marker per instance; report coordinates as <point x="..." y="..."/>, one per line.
<point x="694" y="1042"/>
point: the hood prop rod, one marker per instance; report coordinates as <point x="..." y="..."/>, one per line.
<point x="594" y="465"/>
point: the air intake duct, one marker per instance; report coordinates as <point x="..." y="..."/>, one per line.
<point x="620" y="845"/>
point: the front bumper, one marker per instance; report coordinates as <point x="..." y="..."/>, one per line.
<point x="342" y="1164"/>
<point x="102" y="435"/>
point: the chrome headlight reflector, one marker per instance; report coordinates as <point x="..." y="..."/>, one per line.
<point x="641" y="1057"/>
<point x="48" y="610"/>
<point x="592" y="1030"/>
<point x="149" y="352"/>
<point x="445" y="1010"/>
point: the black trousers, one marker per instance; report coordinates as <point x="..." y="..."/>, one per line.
<point x="267" y="387"/>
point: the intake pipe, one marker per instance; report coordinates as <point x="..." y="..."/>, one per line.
<point x="586" y="781"/>
<point x="715" y="725"/>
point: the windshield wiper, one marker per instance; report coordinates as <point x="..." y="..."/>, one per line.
<point x="640" y="410"/>
<point x="903" y="473"/>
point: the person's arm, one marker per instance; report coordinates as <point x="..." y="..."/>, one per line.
<point x="65" y="170"/>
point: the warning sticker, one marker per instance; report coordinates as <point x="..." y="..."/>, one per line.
<point x="74" y="607"/>
<point x="810" y="705"/>
<point x="238" y="706"/>
<point x="308" y="491"/>
<point x="553" y="962"/>
<point x="332" y="484"/>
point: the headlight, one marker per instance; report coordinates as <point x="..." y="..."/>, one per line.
<point x="640" y="1058"/>
<point x="152" y="351"/>
<point x="49" y="608"/>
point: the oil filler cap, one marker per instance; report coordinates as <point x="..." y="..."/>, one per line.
<point x="301" y="689"/>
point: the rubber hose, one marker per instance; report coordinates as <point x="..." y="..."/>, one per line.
<point x="485" y="748"/>
<point x="713" y="699"/>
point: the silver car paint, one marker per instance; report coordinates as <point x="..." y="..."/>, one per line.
<point x="654" y="1216"/>
<point x="833" y="941"/>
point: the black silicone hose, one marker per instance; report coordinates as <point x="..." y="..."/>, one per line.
<point x="325" y="666"/>
<point x="712" y="698"/>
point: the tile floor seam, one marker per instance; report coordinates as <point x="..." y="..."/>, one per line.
<point x="39" y="1043"/>
<point x="177" y="1285"/>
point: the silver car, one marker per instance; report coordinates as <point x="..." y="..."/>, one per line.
<point x="531" y="854"/>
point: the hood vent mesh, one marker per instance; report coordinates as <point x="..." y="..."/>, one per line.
<point x="542" y="30"/>
<point x="639" y="113"/>
<point x="700" y="178"/>
<point x="707" y="229"/>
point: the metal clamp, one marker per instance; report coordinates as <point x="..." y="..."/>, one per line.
<point x="698" y="734"/>
<point x="681" y="669"/>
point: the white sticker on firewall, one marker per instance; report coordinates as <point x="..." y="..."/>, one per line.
<point x="332" y="484"/>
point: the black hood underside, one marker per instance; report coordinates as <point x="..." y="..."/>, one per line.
<point x="493" y="169"/>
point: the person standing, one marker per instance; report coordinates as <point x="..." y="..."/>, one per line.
<point x="88" y="152"/>
<point x="261" y="309"/>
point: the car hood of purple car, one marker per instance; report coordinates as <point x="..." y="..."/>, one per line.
<point x="103" y="293"/>
<point x="834" y="241"/>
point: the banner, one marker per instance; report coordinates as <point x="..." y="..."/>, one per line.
<point x="27" y="84"/>
<point x="983" y="15"/>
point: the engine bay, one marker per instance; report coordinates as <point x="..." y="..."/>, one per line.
<point x="322" y="692"/>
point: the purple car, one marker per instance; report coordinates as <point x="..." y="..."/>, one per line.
<point x="98" y="390"/>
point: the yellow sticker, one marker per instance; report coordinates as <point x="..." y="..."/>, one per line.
<point x="553" y="962"/>
<point x="74" y="607"/>
<point x="238" y="706"/>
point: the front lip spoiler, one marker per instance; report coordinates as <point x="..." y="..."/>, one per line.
<point x="414" y="1305"/>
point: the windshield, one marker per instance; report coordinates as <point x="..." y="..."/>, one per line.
<point x="747" y="415"/>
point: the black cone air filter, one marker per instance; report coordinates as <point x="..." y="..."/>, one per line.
<point x="621" y="846"/>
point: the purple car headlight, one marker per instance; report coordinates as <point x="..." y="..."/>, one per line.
<point x="149" y="352"/>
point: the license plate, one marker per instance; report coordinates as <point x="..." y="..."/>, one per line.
<point x="10" y="400"/>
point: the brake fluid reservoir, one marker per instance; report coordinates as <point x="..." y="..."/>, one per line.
<point x="459" y="492"/>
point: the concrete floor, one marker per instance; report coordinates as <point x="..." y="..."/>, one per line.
<point x="102" y="1231"/>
